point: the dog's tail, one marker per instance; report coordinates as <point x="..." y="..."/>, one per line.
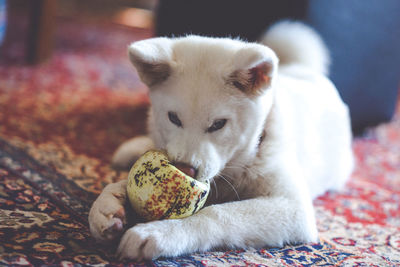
<point x="297" y="43"/>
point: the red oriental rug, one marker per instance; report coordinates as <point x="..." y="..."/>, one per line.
<point x="60" y="123"/>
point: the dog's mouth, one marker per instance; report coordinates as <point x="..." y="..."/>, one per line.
<point x="186" y="169"/>
<point x="192" y="172"/>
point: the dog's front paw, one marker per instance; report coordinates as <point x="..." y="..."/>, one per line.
<point x="107" y="215"/>
<point x="151" y="240"/>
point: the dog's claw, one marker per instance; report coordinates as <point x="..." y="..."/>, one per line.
<point x="120" y="214"/>
<point x="114" y="230"/>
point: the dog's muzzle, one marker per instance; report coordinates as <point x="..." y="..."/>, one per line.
<point x="186" y="169"/>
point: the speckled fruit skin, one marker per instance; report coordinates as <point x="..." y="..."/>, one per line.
<point x="158" y="190"/>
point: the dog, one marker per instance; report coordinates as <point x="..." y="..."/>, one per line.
<point x="270" y="140"/>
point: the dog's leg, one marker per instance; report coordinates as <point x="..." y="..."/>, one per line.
<point x="267" y="221"/>
<point x="107" y="215"/>
<point x="129" y="151"/>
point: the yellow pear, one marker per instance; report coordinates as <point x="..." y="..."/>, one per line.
<point x="158" y="190"/>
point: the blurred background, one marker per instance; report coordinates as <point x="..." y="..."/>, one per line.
<point x="362" y="35"/>
<point x="29" y="29"/>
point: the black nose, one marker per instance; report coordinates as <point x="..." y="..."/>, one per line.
<point x="186" y="169"/>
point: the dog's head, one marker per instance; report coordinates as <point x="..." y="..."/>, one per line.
<point x="210" y="97"/>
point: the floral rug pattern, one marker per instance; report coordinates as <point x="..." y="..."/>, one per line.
<point x="60" y="123"/>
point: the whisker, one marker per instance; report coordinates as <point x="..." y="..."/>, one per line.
<point x="234" y="189"/>
<point x="231" y="179"/>
<point x="216" y="189"/>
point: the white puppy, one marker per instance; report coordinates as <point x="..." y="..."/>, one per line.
<point x="271" y="140"/>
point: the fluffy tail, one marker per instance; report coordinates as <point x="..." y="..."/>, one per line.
<point x="297" y="43"/>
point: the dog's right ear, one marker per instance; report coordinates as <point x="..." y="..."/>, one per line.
<point x="152" y="59"/>
<point x="254" y="68"/>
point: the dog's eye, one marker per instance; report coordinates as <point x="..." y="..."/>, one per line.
<point x="174" y="119"/>
<point x="217" y="125"/>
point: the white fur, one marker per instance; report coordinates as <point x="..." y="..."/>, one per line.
<point x="297" y="43"/>
<point x="306" y="149"/>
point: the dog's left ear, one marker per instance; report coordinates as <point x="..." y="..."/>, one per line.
<point x="254" y="69"/>
<point x="152" y="59"/>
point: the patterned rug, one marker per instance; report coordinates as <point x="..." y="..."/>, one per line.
<point x="60" y="123"/>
